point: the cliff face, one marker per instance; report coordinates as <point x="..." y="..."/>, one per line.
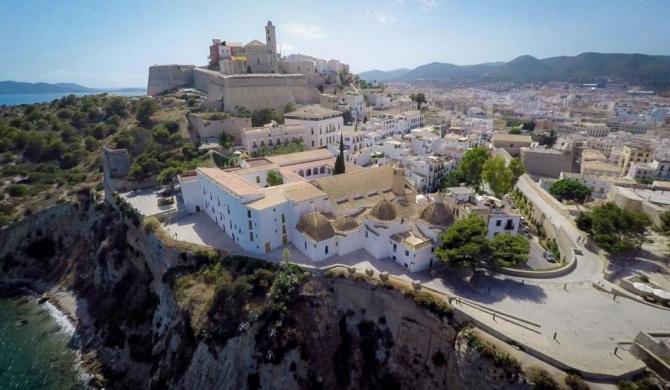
<point x="353" y="335"/>
<point x="134" y="335"/>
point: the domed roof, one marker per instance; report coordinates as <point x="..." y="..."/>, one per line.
<point x="316" y="226"/>
<point x="345" y="223"/>
<point x="383" y="211"/>
<point x="436" y="213"/>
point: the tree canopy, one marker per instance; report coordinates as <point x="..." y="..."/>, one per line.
<point x="145" y="109"/>
<point x="454" y="178"/>
<point x="508" y="250"/>
<point x="339" y="161"/>
<point x="570" y="190"/>
<point x="548" y="140"/>
<point x="472" y="164"/>
<point x="464" y="244"/>
<point x="616" y="230"/>
<point x="419" y="98"/>
<point x="499" y="176"/>
<point x="274" y="178"/>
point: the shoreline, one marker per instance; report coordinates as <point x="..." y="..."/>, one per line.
<point x="61" y="305"/>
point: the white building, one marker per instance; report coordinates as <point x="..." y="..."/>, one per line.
<point x="322" y="125"/>
<point x="373" y="209"/>
<point x="599" y="185"/>
<point x="271" y="135"/>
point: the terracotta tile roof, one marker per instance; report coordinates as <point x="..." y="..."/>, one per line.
<point x="300" y="192"/>
<point x="350" y="185"/>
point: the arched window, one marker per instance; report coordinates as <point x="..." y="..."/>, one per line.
<point x="326" y="249"/>
<point x="322" y="170"/>
<point x="309" y="172"/>
<point x="278" y="141"/>
<point x="262" y="143"/>
<point x="305" y="244"/>
<point x="254" y="144"/>
<point x="270" y="142"/>
<point x="258" y="61"/>
<point x="301" y="173"/>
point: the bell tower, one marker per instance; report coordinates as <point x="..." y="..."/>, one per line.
<point x="271" y="38"/>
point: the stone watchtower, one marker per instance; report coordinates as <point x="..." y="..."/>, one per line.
<point x="271" y="38"/>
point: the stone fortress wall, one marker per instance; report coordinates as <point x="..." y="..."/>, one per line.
<point x="207" y="128"/>
<point x="166" y="77"/>
<point x="253" y="91"/>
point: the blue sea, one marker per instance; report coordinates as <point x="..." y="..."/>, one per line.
<point x="37" y="349"/>
<point x="30" y="98"/>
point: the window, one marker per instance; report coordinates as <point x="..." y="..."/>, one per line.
<point x="305" y="244"/>
<point x="251" y="236"/>
<point x="258" y="179"/>
<point x="498" y="222"/>
<point x="283" y="229"/>
<point x="395" y="246"/>
<point x="250" y="225"/>
<point x="248" y="213"/>
<point x="366" y="234"/>
<point x="406" y="253"/>
<point x="283" y="218"/>
<point x="326" y="249"/>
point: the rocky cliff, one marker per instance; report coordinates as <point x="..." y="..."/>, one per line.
<point x="134" y="334"/>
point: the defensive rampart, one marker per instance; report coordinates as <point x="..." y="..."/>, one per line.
<point x="166" y="77"/>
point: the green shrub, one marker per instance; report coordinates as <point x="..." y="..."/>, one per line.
<point x="574" y="382"/>
<point x="17" y="190"/>
<point x="541" y="379"/>
<point x="432" y="303"/>
<point x="644" y="279"/>
<point x="626" y="385"/>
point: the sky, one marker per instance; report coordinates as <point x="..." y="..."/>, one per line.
<point x="105" y="44"/>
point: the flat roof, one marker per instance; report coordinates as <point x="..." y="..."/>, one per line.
<point x="512" y="137"/>
<point x="300" y="157"/>
<point x="233" y="183"/>
<point x="601" y="166"/>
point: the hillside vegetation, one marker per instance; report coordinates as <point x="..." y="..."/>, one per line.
<point x="48" y="150"/>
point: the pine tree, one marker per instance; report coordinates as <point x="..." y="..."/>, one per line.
<point x="339" y="161"/>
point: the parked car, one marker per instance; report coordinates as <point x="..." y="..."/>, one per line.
<point x="549" y="256"/>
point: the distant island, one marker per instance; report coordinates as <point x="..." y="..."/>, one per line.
<point x="15" y="87"/>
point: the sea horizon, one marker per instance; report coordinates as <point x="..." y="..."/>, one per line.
<point x="32" y="98"/>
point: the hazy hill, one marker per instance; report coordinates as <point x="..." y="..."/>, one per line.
<point x="15" y="87"/>
<point x="438" y="70"/>
<point x="381" y="75"/>
<point x="583" y="67"/>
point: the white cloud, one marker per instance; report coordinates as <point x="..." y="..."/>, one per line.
<point x="428" y="4"/>
<point x="305" y="30"/>
<point x="384" y="18"/>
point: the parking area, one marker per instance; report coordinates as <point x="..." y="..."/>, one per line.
<point x="146" y="201"/>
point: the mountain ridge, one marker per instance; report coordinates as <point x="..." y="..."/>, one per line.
<point x="589" y="66"/>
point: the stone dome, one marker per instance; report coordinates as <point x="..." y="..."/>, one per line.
<point x="316" y="226"/>
<point x="436" y="213"/>
<point x="345" y="224"/>
<point x="383" y="211"/>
